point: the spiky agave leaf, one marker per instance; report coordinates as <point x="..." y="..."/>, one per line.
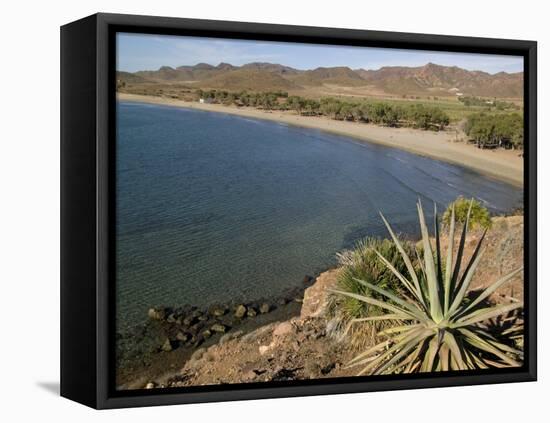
<point x="438" y="328"/>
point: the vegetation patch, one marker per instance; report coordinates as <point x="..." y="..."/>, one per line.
<point x="363" y="263"/>
<point x="479" y="215"/>
<point x="438" y="323"/>
<point x="495" y="130"/>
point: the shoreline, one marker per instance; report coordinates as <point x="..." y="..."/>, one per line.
<point x="504" y="165"/>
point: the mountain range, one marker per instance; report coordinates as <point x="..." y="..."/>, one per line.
<point x="430" y="79"/>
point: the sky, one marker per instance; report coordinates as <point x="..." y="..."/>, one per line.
<point x="150" y="52"/>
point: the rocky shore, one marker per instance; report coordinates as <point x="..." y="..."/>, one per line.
<point x="293" y="338"/>
<point x="171" y="334"/>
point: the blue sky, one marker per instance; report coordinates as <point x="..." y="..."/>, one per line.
<point x="149" y="52"/>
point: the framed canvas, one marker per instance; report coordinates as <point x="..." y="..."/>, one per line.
<point x="257" y="211"/>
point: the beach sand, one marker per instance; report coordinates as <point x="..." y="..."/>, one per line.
<point x="506" y="165"/>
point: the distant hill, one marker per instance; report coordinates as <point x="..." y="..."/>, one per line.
<point x="272" y="67"/>
<point x="430" y="79"/>
<point x="341" y="75"/>
<point x="250" y="79"/>
<point x="130" y="77"/>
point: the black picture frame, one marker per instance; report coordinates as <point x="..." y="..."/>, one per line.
<point x="87" y="224"/>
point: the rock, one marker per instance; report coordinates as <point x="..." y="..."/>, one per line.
<point x="283" y="329"/>
<point x="251" y="312"/>
<point x="283" y="301"/>
<point x="196" y="328"/>
<point x="264" y="308"/>
<point x="202" y="318"/>
<point x="316" y="296"/>
<point x="156" y="314"/>
<point x="167" y="346"/>
<point x="218" y="327"/>
<point x="264" y="348"/>
<point x="250" y="375"/>
<point x="206" y="334"/>
<point x="171" y="318"/>
<point x="183" y="337"/>
<point x="189" y="320"/>
<point x="240" y="311"/>
<point x="217" y="311"/>
<point x="151" y="385"/>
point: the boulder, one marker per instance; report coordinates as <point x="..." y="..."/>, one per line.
<point x="218" y="327"/>
<point x="264" y="308"/>
<point x="156" y="313"/>
<point x="250" y="375"/>
<point x="196" y="328"/>
<point x="167" y="346"/>
<point x="183" y="337"/>
<point x="171" y="318"/>
<point x="151" y="385"/>
<point x="189" y="320"/>
<point x="217" y="311"/>
<point x="240" y="311"/>
<point x="316" y="296"/>
<point x="206" y="334"/>
<point x="283" y="301"/>
<point x="251" y="312"/>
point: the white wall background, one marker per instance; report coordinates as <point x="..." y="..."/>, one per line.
<point x="29" y="211"/>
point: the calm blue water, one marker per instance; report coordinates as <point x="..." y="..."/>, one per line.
<point x="213" y="207"/>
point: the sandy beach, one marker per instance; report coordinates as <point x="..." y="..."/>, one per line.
<point x="505" y="165"/>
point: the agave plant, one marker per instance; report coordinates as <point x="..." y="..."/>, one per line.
<point x="437" y="326"/>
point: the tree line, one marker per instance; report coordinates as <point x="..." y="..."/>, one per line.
<point x="484" y="102"/>
<point x="380" y="113"/>
<point x="495" y="130"/>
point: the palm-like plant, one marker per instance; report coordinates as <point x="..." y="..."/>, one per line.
<point x="436" y="326"/>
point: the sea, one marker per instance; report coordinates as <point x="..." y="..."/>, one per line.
<point x="217" y="208"/>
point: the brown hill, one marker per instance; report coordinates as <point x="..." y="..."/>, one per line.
<point x="165" y="73"/>
<point x="197" y="72"/>
<point x="249" y="79"/>
<point x="130" y="78"/>
<point x="340" y="75"/>
<point x="432" y="78"/>
<point x="271" y="67"/>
